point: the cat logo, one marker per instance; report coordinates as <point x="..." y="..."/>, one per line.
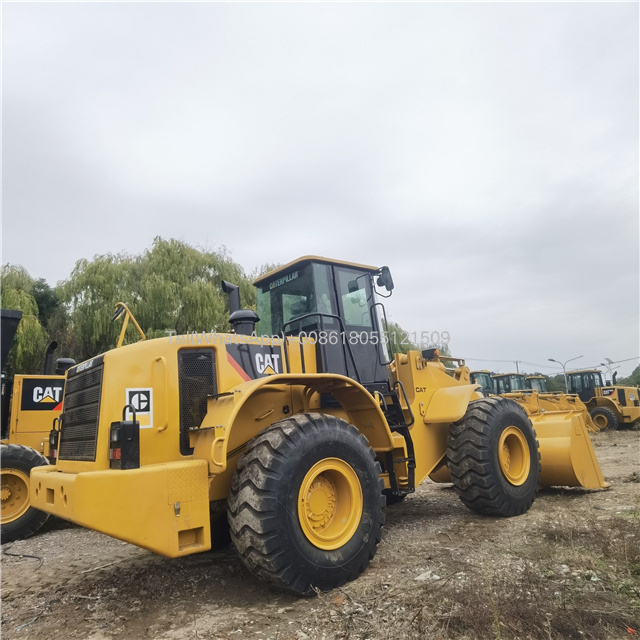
<point x="267" y="364"/>
<point x="47" y="394"/>
<point x="42" y="393"/>
<point x="142" y="401"/>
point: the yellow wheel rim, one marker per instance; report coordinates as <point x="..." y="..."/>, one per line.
<point x="14" y="490"/>
<point x="600" y="421"/>
<point x="513" y="454"/>
<point x="330" y="504"/>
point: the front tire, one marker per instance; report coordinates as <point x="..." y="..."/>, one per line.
<point x="19" y="520"/>
<point x="605" y="419"/>
<point x="493" y="458"/>
<point x="306" y="507"/>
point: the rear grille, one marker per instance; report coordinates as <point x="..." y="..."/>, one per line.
<point x="79" y="435"/>
<point x="622" y="398"/>
<point x="197" y="378"/>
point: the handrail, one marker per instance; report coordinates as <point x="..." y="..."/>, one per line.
<point x="121" y="308"/>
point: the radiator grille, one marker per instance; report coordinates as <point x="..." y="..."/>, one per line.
<point x="197" y="376"/>
<point x="81" y="410"/>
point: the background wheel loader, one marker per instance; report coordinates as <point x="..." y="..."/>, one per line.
<point x="485" y="380"/>
<point x="536" y="382"/>
<point x="29" y="406"/>
<point x="531" y="393"/>
<point x="610" y="406"/>
<point x="296" y="427"/>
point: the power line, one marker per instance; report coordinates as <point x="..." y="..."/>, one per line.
<point x="546" y="366"/>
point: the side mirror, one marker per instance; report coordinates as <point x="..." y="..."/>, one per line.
<point x="384" y="279"/>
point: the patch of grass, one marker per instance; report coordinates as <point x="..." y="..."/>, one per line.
<point x="567" y="580"/>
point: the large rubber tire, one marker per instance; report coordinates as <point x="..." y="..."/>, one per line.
<point x="306" y="507"/>
<point x="18" y="520"/>
<point x="493" y="458"/>
<point x="605" y="419"/>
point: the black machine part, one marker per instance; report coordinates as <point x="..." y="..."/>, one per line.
<point x="243" y="321"/>
<point x="48" y="359"/>
<point x="8" y="328"/>
<point x="62" y="364"/>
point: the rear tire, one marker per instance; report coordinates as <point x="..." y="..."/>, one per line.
<point x="306" y="507"/>
<point x="19" y="520"/>
<point x="493" y="458"/>
<point x="605" y="419"/>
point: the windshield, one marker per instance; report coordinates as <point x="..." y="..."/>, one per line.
<point x="538" y="384"/>
<point x="294" y="295"/>
<point x="485" y="380"/>
<point x="509" y="383"/>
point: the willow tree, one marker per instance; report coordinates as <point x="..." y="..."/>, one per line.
<point x="17" y="293"/>
<point x="170" y="287"/>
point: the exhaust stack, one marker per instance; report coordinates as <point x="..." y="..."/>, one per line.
<point x="48" y="359"/>
<point x="243" y="321"/>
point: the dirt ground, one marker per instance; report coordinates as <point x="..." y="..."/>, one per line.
<point x="569" y="568"/>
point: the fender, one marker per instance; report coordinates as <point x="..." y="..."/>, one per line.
<point x="233" y="418"/>
<point x="449" y="404"/>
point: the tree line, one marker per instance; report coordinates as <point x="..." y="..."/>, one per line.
<point x="171" y="286"/>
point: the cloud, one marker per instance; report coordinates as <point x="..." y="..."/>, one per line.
<point x="487" y="153"/>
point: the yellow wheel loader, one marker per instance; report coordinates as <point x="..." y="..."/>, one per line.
<point x="610" y="405"/>
<point x="536" y="382"/>
<point x="485" y="380"/>
<point x="531" y="393"/>
<point x="509" y="382"/>
<point x="295" y="429"/>
<point x="30" y="403"/>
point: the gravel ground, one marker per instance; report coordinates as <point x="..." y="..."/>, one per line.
<point x="568" y="568"/>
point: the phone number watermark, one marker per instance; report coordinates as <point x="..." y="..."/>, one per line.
<point x="422" y="339"/>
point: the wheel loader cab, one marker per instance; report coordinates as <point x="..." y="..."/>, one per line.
<point x="536" y="383"/>
<point x="333" y="305"/>
<point x="509" y="382"/>
<point x="584" y="383"/>
<point x="485" y="380"/>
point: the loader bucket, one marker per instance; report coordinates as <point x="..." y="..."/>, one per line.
<point x="567" y="458"/>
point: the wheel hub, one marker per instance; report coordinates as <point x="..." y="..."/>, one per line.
<point x="330" y="503"/>
<point x="15" y="494"/>
<point x="601" y="421"/>
<point x="513" y="455"/>
<point x="321" y="502"/>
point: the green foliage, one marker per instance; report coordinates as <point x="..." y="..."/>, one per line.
<point x="632" y="381"/>
<point x="400" y="340"/>
<point x="264" y="269"/>
<point x="172" y="286"/>
<point x="27" y="353"/>
<point x="169" y="287"/>
<point x="46" y="298"/>
<point x="555" y="383"/>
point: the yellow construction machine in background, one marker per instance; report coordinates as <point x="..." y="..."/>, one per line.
<point x="30" y="403"/>
<point x="611" y="406"/>
<point x="297" y="428"/>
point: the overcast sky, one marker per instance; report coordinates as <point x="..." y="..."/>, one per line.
<point x="487" y="153"/>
